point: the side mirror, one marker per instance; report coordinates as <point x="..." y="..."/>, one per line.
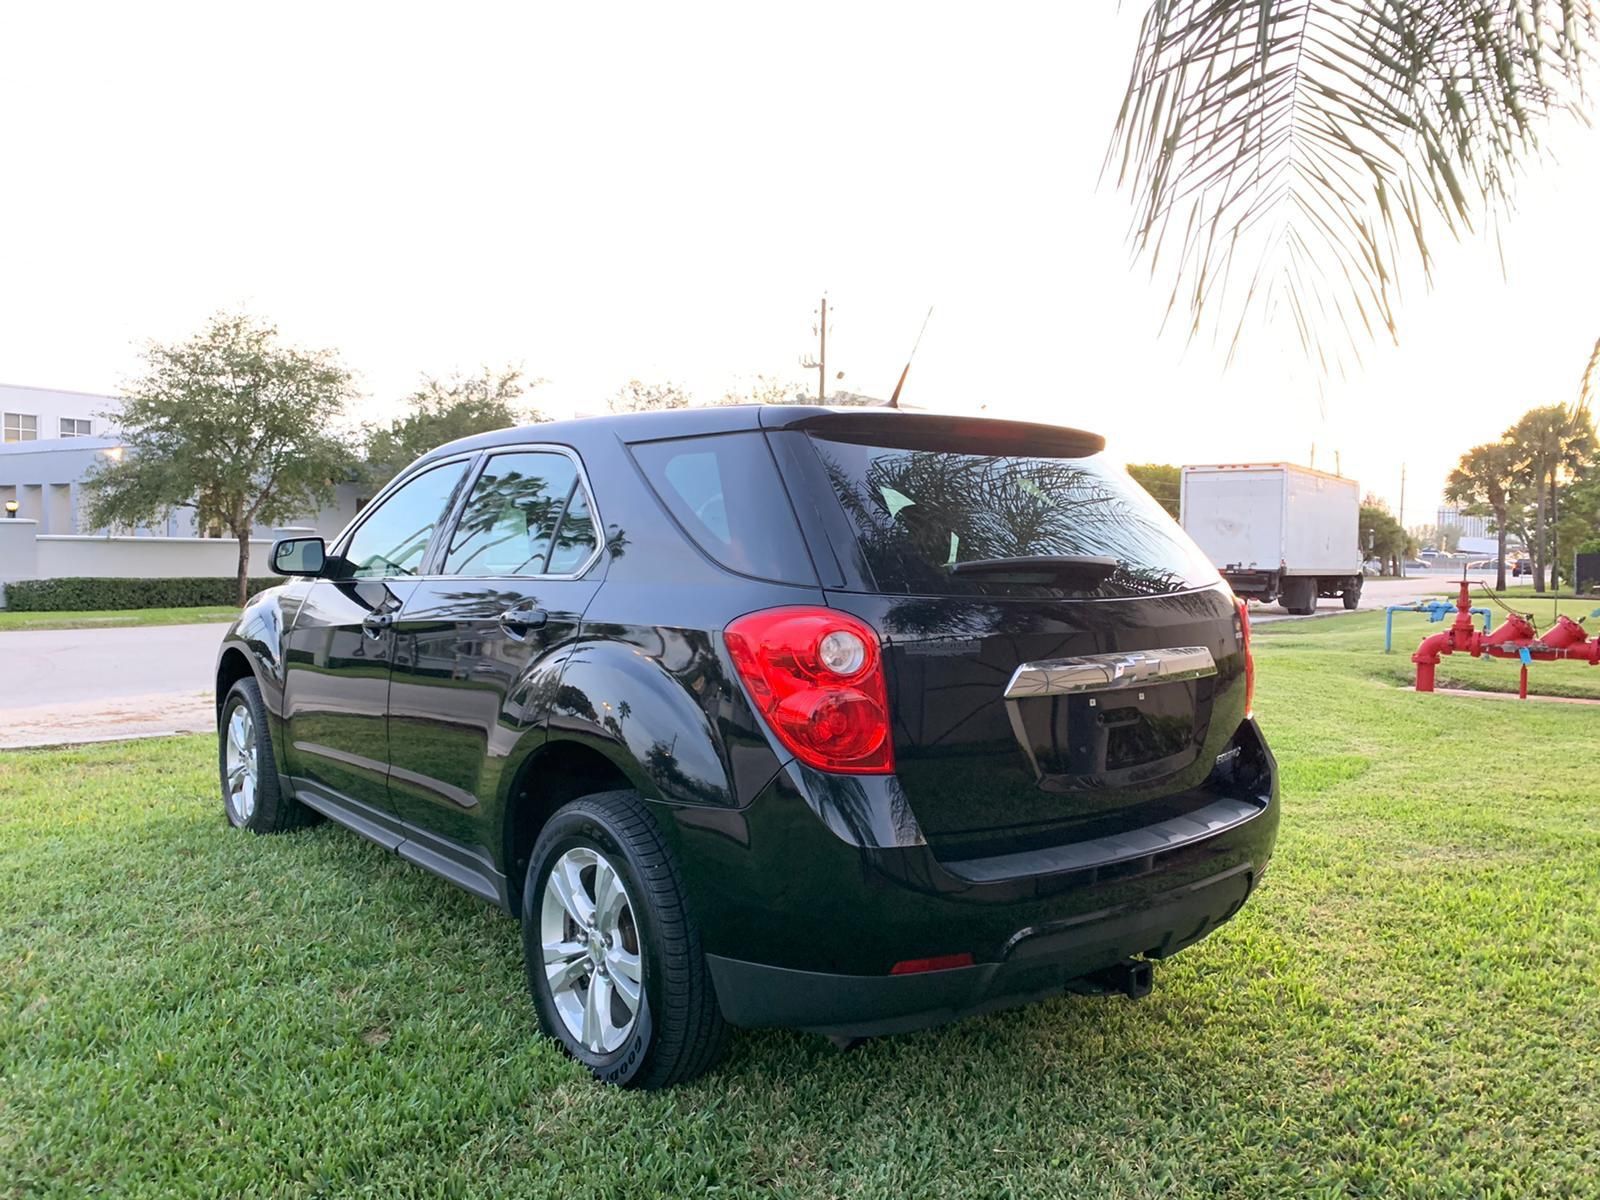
<point x="299" y="556"/>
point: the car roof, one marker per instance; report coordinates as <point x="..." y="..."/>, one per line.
<point x="732" y="418"/>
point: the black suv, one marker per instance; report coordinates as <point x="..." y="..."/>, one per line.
<point x="854" y="721"/>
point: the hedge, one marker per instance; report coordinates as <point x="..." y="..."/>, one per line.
<point x="90" y="594"/>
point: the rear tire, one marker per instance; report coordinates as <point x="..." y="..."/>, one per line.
<point x="1300" y="595"/>
<point x="613" y="926"/>
<point x="252" y="795"/>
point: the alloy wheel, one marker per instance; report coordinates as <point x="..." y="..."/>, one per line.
<point x="241" y="763"/>
<point x="591" y="950"/>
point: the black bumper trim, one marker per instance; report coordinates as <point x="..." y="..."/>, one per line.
<point x="1161" y="838"/>
<point x="1039" y="963"/>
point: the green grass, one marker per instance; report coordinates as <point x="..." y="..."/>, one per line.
<point x="1407" y="1008"/>
<point x="115" y="617"/>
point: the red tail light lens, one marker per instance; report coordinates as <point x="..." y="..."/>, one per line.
<point x="942" y="962"/>
<point x="816" y="678"/>
<point x="1249" y="658"/>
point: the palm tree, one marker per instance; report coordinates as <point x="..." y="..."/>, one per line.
<point x="1292" y="156"/>
<point x="1484" y="480"/>
<point x="1549" y="441"/>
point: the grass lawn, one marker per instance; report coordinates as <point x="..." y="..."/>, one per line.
<point x="114" y="616"/>
<point x="1408" y="1008"/>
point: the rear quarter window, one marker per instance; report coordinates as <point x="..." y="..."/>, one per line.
<point x="723" y="490"/>
<point x="917" y="512"/>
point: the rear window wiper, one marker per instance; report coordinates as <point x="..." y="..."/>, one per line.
<point x="1098" y="565"/>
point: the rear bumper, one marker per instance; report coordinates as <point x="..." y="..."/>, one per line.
<point x="808" y="898"/>
<point x="1041" y="962"/>
<point x="1252" y="583"/>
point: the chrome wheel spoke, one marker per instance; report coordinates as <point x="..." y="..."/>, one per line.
<point x="622" y="969"/>
<point x="609" y="898"/>
<point x="565" y="964"/>
<point x="597" y="1025"/>
<point x="568" y="887"/>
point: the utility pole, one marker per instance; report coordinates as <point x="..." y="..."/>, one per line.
<point x="1402" y="519"/>
<point x="822" y="354"/>
<point x="820" y="363"/>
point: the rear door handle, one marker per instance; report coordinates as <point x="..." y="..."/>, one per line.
<point x="373" y="624"/>
<point x="518" y="621"/>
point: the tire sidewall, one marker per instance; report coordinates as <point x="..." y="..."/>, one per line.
<point x="567" y="830"/>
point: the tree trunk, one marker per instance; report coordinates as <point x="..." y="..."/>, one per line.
<point x="244" y="568"/>
<point x="1537" y="549"/>
<point x="1555" y="538"/>
<point x="1500" y="562"/>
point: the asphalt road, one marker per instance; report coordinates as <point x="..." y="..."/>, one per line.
<point x="1378" y="594"/>
<point x="61" y="666"/>
<point x="80" y="685"/>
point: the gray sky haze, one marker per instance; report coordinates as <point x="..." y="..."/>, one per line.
<point x="662" y="192"/>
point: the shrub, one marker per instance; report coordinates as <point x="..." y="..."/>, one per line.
<point x="93" y="594"/>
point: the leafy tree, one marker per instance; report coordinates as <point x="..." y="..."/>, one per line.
<point x="1551" y="442"/>
<point x="1483" y="483"/>
<point x="635" y="396"/>
<point x="766" y="389"/>
<point x="1382" y="537"/>
<point x="1296" y="156"/>
<point x="232" y="424"/>
<point x="1161" y="481"/>
<point x="442" y="411"/>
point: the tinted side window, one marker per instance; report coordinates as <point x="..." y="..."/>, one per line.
<point x="394" y="537"/>
<point x="725" y="492"/>
<point x="574" y="536"/>
<point x="508" y="525"/>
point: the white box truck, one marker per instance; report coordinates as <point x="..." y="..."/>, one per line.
<point x="1277" y="531"/>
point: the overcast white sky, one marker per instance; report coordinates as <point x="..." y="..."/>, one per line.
<point x="601" y="192"/>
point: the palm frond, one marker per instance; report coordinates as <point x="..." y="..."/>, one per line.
<point x="1290" y="158"/>
<point x="1589" y="385"/>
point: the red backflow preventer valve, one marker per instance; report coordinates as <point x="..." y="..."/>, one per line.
<point x="1516" y="638"/>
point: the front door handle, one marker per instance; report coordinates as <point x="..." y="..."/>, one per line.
<point x="519" y="620"/>
<point x="373" y="624"/>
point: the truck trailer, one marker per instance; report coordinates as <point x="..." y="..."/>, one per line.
<point x="1277" y="531"/>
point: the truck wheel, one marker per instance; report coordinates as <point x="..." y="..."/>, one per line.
<point x="1300" y="595"/>
<point x="1351" y="597"/>
<point x="613" y="955"/>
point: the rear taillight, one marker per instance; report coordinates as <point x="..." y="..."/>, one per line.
<point x="816" y="678"/>
<point x="1249" y="658"/>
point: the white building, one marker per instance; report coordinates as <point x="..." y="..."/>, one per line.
<point x="29" y="414"/>
<point x="54" y="440"/>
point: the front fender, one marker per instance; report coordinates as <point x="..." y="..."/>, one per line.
<point x="257" y="637"/>
<point x="682" y="734"/>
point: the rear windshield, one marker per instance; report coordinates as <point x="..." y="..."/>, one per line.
<point x="921" y="513"/>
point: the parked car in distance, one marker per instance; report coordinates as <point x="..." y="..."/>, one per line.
<point x="848" y="721"/>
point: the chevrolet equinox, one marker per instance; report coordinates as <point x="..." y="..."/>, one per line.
<point x="853" y="721"/>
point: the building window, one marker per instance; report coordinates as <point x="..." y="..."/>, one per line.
<point x="21" y="427"/>
<point x="72" y="427"/>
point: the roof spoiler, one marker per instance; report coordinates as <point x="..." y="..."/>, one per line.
<point x="937" y="431"/>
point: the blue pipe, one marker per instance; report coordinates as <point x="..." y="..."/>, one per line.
<point x="1437" y="610"/>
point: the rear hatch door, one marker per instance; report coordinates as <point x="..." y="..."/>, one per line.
<point x="1063" y="662"/>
